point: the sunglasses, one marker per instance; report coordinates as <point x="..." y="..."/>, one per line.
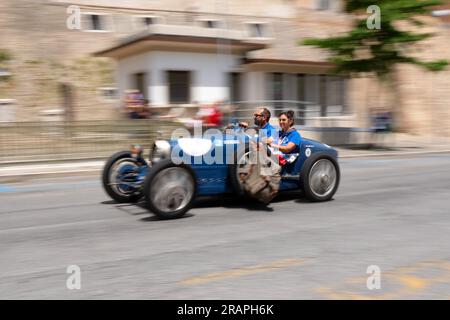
<point x="257" y="115"/>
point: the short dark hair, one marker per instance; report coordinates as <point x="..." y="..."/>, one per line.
<point x="266" y="113"/>
<point x="289" y="114"/>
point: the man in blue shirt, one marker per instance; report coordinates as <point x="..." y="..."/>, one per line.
<point x="261" y="119"/>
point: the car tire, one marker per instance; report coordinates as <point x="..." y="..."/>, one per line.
<point x="113" y="192"/>
<point x="319" y="177"/>
<point x="174" y="201"/>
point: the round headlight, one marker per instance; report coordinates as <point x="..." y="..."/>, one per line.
<point x="160" y="151"/>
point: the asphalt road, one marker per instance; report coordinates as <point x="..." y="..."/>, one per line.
<point x="390" y="212"/>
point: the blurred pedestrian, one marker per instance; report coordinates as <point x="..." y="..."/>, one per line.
<point x="210" y="115"/>
<point x="134" y="104"/>
<point x="381" y="126"/>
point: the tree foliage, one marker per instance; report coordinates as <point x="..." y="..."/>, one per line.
<point x="4" y="56"/>
<point x="382" y="48"/>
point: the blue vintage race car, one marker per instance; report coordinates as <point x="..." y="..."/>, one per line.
<point x="180" y="169"/>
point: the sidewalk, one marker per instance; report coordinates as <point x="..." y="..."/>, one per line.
<point x="30" y="169"/>
<point x="401" y="145"/>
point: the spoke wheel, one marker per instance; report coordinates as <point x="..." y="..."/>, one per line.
<point x="119" y="177"/>
<point x="122" y="176"/>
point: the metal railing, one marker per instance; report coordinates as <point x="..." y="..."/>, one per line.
<point x="54" y="140"/>
<point x="306" y="113"/>
<point x="58" y="140"/>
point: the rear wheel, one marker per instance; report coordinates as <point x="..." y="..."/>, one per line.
<point x="169" y="189"/>
<point x="119" y="175"/>
<point x="320" y="177"/>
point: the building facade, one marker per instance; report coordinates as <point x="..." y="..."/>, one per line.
<point x="188" y="52"/>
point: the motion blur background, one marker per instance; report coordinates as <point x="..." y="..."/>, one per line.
<point x="64" y="93"/>
<point x="137" y="69"/>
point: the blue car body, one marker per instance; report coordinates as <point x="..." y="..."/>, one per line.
<point x="214" y="178"/>
<point x="214" y="164"/>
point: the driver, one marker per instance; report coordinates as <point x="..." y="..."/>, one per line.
<point x="261" y="119"/>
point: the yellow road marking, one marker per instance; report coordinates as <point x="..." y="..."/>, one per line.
<point x="410" y="284"/>
<point x="240" y="272"/>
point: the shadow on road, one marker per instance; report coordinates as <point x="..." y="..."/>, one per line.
<point x="156" y="219"/>
<point x="231" y="202"/>
<point x="109" y="202"/>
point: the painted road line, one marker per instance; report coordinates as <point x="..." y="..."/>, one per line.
<point x="398" y="283"/>
<point x="69" y="165"/>
<point x="40" y="169"/>
<point x="50" y="227"/>
<point x="49" y="187"/>
<point x="244" y="271"/>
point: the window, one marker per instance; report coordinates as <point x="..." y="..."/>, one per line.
<point x="336" y="95"/>
<point x="235" y="86"/>
<point x="145" y="21"/>
<point x="107" y="93"/>
<point x="277" y="89"/>
<point x="301" y="87"/>
<point x="277" y="85"/>
<point x="179" y="86"/>
<point x="323" y="95"/>
<point x="311" y="85"/>
<point x="140" y="83"/>
<point x="257" y="30"/>
<point x="209" y="23"/>
<point x="327" y="93"/>
<point x="148" y="20"/>
<point x="301" y="97"/>
<point x="98" y="22"/>
<point x="323" y="4"/>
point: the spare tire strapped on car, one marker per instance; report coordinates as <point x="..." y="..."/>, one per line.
<point x="262" y="180"/>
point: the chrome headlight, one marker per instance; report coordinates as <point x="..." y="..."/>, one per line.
<point x="160" y="151"/>
<point x="136" y="151"/>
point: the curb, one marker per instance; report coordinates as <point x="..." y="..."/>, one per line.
<point x="396" y="154"/>
<point x="47" y="161"/>
<point x="25" y="170"/>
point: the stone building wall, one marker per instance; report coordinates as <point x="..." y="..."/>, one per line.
<point x="46" y="54"/>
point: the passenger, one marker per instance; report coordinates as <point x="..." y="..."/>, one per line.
<point x="289" y="140"/>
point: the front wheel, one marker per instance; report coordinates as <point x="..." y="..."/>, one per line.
<point x="169" y="189"/>
<point x="320" y="177"/>
<point x="119" y="177"/>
